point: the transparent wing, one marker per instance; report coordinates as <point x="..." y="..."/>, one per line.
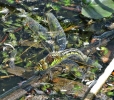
<point x="37" y="28"/>
<point x="41" y="31"/>
<point x="57" y="31"/>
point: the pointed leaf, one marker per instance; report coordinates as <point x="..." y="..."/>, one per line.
<point x="98" y="9"/>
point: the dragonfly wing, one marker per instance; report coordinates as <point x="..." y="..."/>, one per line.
<point x="41" y="31"/>
<point x="37" y="28"/>
<point x="57" y="31"/>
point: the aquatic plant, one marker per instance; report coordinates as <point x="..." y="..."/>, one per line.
<point x="10" y="1"/>
<point x="56" y="37"/>
<point x="97" y="8"/>
<point x="3" y="70"/>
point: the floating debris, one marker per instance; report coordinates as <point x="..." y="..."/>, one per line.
<point x="18" y="71"/>
<point x="12" y="58"/>
<point x="4" y="11"/>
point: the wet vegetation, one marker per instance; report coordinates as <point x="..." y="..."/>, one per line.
<point x="55" y="49"/>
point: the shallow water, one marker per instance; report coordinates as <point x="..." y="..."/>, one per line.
<point x="66" y="17"/>
<point x="8" y="83"/>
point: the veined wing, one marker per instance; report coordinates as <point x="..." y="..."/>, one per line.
<point x="37" y="28"/>
<point x="42" y="32"/>
<point x="57" y="31"/>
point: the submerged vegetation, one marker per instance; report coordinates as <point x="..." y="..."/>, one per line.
<point x="57" y="48"/>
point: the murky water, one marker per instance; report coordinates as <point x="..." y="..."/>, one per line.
<point x="77" y="31"/>
<point x="8" y="83"/>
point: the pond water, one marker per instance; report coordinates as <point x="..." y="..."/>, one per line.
<point x="18" y="33"/>
<point x="8" y="83"/>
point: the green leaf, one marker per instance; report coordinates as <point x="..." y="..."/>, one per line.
<point x="86" y="1"/>
<point x="56" y="7"/>
<point x="63" y="75"/>
<point x="3" y="71"/>
<point x="5" y="54"/>
<point x="93" y="70"/>
<point x="110" y="93"/>
<point x="74" y="68"/>
<point x="66" y="2"/>
<point x="95" y="63"/>
<point x="12" y="36"/>
<point x="10" y="1"/>
<point x="8" y="22"/>
<point x="98" y="8"/>
<point x="77" y="87"/>
<point x="106" y="51"/>
<point x="29" y="64"/>
<point x="16" y="24"/>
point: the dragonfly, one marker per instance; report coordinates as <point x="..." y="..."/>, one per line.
<point x="54" y="58"/>
<point x="55" y="36"/>
<point x="49" y="37"/>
